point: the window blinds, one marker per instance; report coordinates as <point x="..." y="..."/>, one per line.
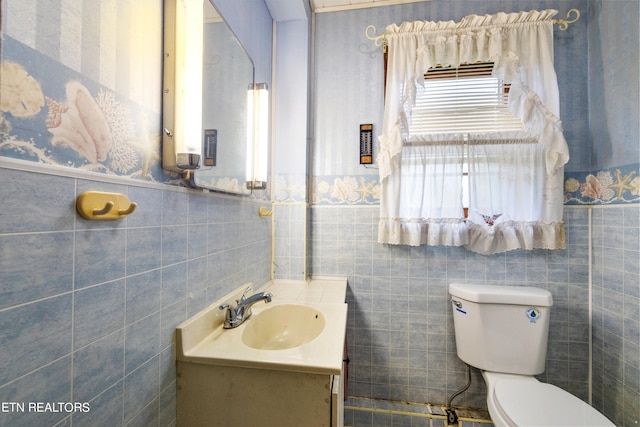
<point x="462" y="100"/>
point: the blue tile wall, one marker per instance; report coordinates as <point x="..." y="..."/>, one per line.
<point x="89" y="308"/>
<point x="400" y="333"/>
<point x="616" y="313"/>
<point x="289" y="241"/>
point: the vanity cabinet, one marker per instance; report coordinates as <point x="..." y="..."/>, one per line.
<point x="226" y="396"/>
<point x="224" y="377"/>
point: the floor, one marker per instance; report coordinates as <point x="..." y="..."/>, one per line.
<point x="364" y="412"/>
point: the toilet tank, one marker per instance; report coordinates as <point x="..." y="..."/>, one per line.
<point x="501" y="328"/>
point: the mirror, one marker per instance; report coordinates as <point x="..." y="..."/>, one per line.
<point x="228" y="72"/>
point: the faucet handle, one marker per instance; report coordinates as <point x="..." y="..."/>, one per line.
<point x="231" y="311"/>
<point x="244" y="294"/>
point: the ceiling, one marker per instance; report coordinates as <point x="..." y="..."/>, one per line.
<point x="332" y="5"/>
<point x="286" y="10"/>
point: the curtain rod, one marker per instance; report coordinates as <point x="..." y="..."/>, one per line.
<point x="562" y="24"/>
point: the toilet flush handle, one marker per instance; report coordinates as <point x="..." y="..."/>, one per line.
<point x="458" y="305"/>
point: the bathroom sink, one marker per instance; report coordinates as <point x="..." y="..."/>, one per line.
<point x="302" y="330"/>
<point x="283" y="327"/>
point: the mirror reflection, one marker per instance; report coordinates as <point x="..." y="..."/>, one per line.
<point x="227" y="74"/>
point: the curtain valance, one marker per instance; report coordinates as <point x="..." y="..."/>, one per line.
<point x="519" y="44"/>
<point x="514" y="179"/>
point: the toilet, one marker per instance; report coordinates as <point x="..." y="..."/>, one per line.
<point x="503" y="331"/>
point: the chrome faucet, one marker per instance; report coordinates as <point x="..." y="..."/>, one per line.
<point x="242" y="311"/>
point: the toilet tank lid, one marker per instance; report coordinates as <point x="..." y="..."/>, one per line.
<point x="497" y="294"/>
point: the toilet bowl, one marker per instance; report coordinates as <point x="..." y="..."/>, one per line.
<point x="503" y="331"/>
<point x="520" y="400"/>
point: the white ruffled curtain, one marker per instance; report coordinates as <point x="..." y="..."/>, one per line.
<point x="515" y="179"/>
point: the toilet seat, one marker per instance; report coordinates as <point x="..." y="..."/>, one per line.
<point x="533" y="403"/>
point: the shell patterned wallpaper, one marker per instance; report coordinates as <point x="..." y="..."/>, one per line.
<point x="53" y="115"/>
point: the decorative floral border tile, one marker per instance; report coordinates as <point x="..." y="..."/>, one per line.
<point x="289" y="188"/>
<point x="619" y="185"/>
<point x="346" y="190"/>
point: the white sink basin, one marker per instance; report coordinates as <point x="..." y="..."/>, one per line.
<point x="301" y="330"/>
<point x="283" y="326"/>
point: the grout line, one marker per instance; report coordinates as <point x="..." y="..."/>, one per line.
<point x="73" y="300"/>
<point x="590" y="283"/>
<point x="610" y="206"/>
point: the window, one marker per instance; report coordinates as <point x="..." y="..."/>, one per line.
<point x="494" y="123"/>
<point x="462" y="100"/>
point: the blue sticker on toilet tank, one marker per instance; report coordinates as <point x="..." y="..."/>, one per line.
<point x="460" y="310"/>
<point x="533" y="314"/>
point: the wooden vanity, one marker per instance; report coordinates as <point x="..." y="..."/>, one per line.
<point x="223" y="382"/>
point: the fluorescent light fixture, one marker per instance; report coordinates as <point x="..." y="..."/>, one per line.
<point x="257" y="136"/>
<point x="182" y="95"/>
<point x="250" y="137"/>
